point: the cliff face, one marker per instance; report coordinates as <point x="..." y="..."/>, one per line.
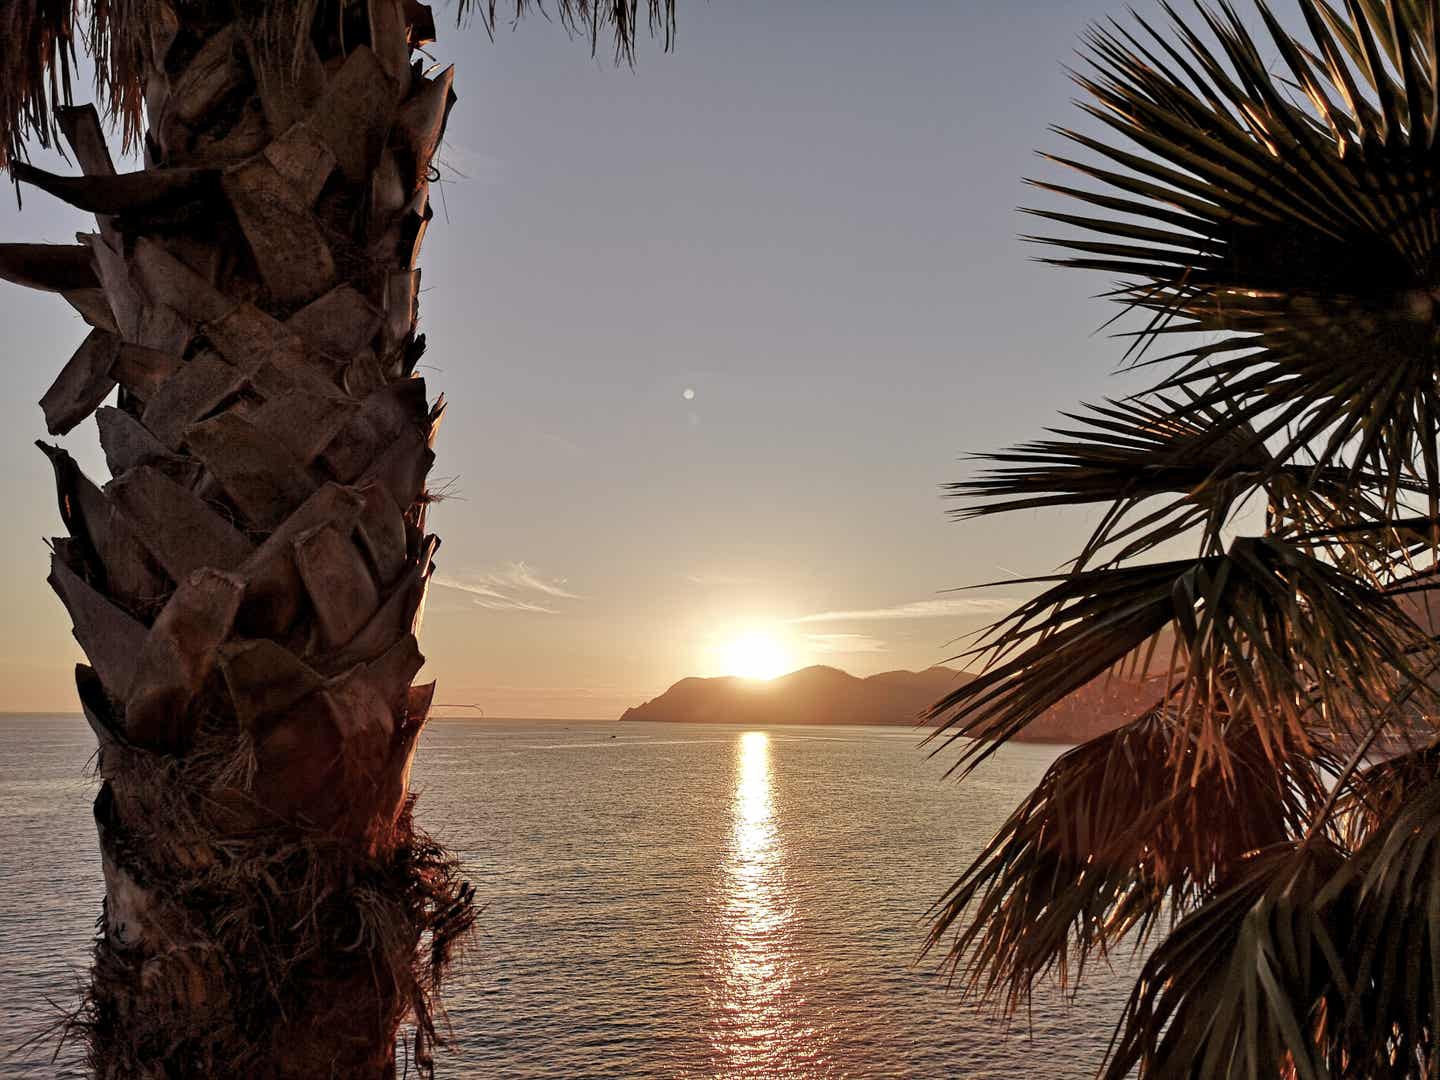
<point x="826" y="695"/>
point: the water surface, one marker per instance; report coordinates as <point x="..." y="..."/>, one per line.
<point x="659" y="901"/>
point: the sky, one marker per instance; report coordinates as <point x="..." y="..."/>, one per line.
<point x="713" y="332"/>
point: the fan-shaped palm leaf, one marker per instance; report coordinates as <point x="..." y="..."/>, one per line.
<point x="1127" y="452"/>
<point x="1264" y="626"/>
<point x="1390" y="990"/>
<point x="1308" y="962"/>
<point x="1303" y="226"/>
<point x="1375" y="795"/>
<point x="1238" y="989"/>
<point x="1271" y="204"/>
<point x="1109" y="841"/>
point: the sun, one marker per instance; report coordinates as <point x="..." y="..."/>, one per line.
<point x="756" y="655"/>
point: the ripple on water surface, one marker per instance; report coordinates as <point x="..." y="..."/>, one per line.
<point x="675" y="901"/>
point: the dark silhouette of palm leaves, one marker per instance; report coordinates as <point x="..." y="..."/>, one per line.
<point x="1383" y="1001"/>
<point x="1309" y="960"/>
<point x="1128" y="452"/>
<point x="1109" y="841"/>
<point x="1268" y="206"/>
<point x="1378" y="793"/>
<point x="593" y="18"/>
<point x="1296" y="212"/>
<point x="1238" y="987"/>
<point x="1265" y="626"/>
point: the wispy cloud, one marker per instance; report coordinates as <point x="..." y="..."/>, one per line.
<point x="845" y="643"/>
<point x="918" y="609"/>
<point x="513" y="587"/>
<point x="520" y="576"/>
<point x="510" y="603"/>
<point x="563" y="443"/>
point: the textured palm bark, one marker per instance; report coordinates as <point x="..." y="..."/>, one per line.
<point x="248" y="586"/>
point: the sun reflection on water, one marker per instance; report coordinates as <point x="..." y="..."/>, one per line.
<point x="756" y="1029"/>
<point x="758" y="914"/>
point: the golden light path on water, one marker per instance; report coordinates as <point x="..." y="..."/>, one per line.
<point x="759" y="1032"/>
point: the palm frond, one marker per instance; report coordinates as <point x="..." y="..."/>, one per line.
<point x="1270" y="202"/>
<point x="1374" y="796"/>
<point x="593" y="19"/>
<point x="38" y="47"/>
<point x="1307" y="962"/>
<point x="1129" y="452"/>
<point x="1390" y="888"/>
<point x="38" y="40"/>
<point x="1264" y="627"/>
<point x="1300" y="225"/>
<point x="1125" y="449"/>
<point x="1239" y="987"/>
<point x="1109" y="842"/>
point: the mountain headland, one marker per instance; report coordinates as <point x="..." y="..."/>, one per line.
<point x="827" y="695"/>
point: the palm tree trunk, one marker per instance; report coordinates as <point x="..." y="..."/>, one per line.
<point x="248" y="586"/>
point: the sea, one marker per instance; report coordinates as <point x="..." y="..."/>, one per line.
<point x="659" y="900"/>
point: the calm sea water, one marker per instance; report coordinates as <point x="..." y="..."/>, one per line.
<point x="660" y="901"/>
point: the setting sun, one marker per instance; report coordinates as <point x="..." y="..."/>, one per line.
<point x="756" y="655"/>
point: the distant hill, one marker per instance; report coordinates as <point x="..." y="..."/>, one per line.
<point x="827" y="695"/>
